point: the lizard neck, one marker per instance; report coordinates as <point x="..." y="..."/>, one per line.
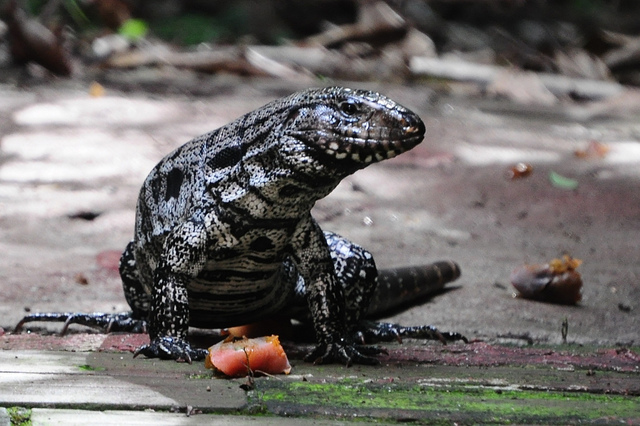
<point x="266" y="192"/>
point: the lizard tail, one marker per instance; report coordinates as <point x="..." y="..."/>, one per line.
<point x="399" y="287"/>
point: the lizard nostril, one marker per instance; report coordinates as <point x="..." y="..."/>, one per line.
<point x="411" y="125"/>
<point x="416" y="127"/>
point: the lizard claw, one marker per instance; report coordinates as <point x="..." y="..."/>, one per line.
<point x="452" y="336"/>
<point x="344" y="353"/>
<point x="171" y="348"/>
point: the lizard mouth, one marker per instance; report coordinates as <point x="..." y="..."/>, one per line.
<point x="372" y="145"/>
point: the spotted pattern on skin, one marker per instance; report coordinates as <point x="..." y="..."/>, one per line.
<point x="224" y="235"/>
<point x="203" y="209"/>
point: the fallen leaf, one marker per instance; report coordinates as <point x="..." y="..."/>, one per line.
<point x="562" y="182"/>
<point x="594" y="150"/>
<point x="520" y="170"/>
<point x="96" y="90"/>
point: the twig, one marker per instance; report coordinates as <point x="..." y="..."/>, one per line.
<point x="466" y="71"/>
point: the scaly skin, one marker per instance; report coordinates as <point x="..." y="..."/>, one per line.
<point x="224" y="234"/>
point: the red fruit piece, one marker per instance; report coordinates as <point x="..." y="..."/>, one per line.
<point x="236" y="358"/>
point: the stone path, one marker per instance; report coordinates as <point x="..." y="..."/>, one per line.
<point x="70" y="169"/>
<point x="110" y="387"/>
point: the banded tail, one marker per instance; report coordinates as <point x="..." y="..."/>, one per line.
<point x="399" y="287"/>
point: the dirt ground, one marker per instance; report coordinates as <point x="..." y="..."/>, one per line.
<point x="66" y="156"/>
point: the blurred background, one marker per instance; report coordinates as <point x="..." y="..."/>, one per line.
<point x="348" y="39"/>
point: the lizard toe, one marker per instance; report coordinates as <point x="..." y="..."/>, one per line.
<point x="371" y="350"/>
<point x="452" y="336"/>
<point x="171" y="348"/>
<point x="343" y="353"/>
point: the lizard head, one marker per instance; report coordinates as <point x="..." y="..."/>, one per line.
<point x="352" y="127"/>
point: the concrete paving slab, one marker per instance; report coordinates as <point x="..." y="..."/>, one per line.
<point x="46" y="417"/>
<point x="5" y="419"/>
<point x="110" y="380"/>
<point x="465" y="383"/>
<point x="72" y="390"/>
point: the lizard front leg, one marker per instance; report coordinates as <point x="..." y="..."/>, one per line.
<point x="326" y="303"/>
<point x="169" y="320"/>
<point x="182" y="258"/>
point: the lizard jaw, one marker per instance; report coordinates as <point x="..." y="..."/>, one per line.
<point x="387" y="144"/>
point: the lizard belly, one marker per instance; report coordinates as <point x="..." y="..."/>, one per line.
<point x="239" y="290"/>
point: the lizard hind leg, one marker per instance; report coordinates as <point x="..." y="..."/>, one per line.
<point x="357" y="275"/>
<point x="401" y="287"/>
<point x="107" y="322"/>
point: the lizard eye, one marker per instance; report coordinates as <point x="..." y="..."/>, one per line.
<point x="349" y="107"/>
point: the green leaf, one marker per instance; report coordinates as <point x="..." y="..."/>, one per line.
<point x="562" y="182"/>
<point x="87" y="367"/>
<point x="133" y="29"/>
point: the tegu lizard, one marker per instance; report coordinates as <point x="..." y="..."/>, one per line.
<point x="224" y="235"/>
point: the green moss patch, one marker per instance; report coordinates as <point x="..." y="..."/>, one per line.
<point x="19" y="416"/>
<point x="460" y="402"/>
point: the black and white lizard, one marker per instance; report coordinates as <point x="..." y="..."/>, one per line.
<point x="224" y="234"/>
